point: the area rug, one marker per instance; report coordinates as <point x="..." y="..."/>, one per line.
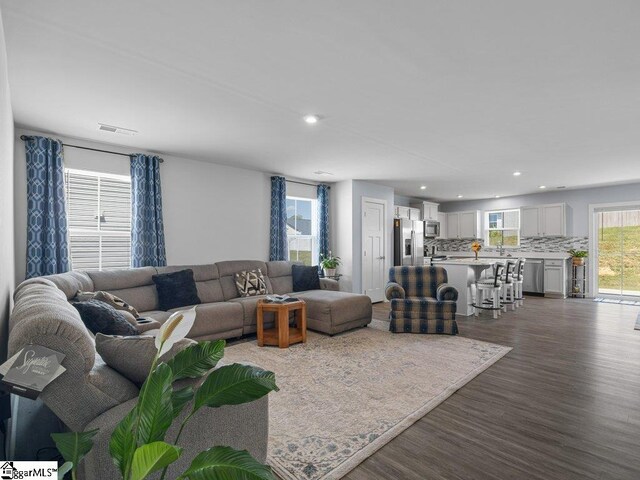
<point x="341" y="398"/>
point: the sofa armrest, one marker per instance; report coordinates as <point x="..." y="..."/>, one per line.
<point x="329" y="284"/>
<point x="243" y="427"/>
<point x="446" y="292"/>
<point x="394" y="290"/>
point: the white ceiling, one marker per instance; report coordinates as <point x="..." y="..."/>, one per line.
<point x="452" y="95"/>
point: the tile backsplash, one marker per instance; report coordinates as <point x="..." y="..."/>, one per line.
<point x="527" y="244"/>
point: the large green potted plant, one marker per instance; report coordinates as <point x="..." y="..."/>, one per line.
<point x="578" y="256"/>
<point x="138" y="445"/>
<point x="329" y="264"/>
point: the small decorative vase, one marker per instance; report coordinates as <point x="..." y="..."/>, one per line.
<point x="476" y="255"/>
<point x="330" y="272"/>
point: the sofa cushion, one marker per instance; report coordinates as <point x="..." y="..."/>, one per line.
<point x="133" y="356"/>
<point x="71" y="282"/>
<point x="133" y="285"/>
<point x="100" y="317"/>
<point x="227" y="270"/>
<point x="249" y="308"/>
<point x="250" y="284"/>
<point x="176" y="289"/>
<point x="305" y="278"/>
<point x="335" y="308"/>
<point x="279" y="273"/>
<point x="212" y="318"/>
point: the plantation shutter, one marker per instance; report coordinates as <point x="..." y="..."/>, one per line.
<point x="99" y="217"/>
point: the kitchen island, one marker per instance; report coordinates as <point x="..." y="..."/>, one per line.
<point x="463" y="273"/>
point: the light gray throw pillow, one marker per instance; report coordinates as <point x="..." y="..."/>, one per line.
<point x="132" y="356"/>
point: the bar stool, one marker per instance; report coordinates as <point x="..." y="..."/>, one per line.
<point x="508" y="287"/>
<point x="518" y="280"/>
<point x="489" y="288"/>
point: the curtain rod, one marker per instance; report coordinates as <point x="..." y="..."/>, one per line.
<point x="27" y="137"/>
<point x="305" y="183"/>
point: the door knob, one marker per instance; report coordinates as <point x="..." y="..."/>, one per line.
<point x="380" y="258"/>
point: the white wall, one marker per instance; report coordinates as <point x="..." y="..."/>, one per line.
<point x="341" y="211"/>
<point x="577" y="200"/>
<point x="211" y="212"/>
<point x="6" y="200"/>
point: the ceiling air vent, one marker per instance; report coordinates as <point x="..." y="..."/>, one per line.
<point x="113" y="129"/>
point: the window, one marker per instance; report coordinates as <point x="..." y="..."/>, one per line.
<point x="302" y="230"/>
<point x="99" y="218"/>
<point x="502" y="228"/>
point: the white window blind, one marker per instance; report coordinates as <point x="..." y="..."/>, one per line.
<point x="99" y="218"/>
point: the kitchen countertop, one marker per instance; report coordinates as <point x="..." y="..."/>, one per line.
<point x="514" y="254"/>
<point x="486" y="262"/>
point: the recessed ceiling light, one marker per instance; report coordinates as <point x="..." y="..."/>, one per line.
<point x="459" y="196"/>
<point x="542" y="187"/>
<point x="497" y="196"/>
<point x="423" y="187"/>
<point x="517" y="174"/>
<point x="311" y="119"/>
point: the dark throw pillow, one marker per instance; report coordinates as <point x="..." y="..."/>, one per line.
<point x="250" y="283"/>
<point x="305" y="278"/>
<point x="176" y="289"/>
<point x="100" y="317"/>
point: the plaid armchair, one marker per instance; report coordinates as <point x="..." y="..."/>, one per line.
<point x="421" y="301"/>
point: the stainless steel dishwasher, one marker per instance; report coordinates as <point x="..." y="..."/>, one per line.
<point x="533" y="281"/>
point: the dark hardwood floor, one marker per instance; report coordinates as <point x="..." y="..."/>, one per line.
<point x="563" y="404"/>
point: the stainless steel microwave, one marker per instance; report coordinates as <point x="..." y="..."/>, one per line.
<point x="431" y="229"/>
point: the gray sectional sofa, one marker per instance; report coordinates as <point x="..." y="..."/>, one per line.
<point x="90" y="394"/>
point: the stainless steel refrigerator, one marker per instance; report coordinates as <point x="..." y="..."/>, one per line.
<point x="408" y="242"/>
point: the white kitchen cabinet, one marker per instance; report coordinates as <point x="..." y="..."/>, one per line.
<point x="530" y="222"/>
<point x="428" y="210"/>
<point x="415" y="214"/>
<point x="442" y="218"/>
<point x="543" y="221"/>
<point x="554" y="220"/>
<point x="464" y="224"/>
<point x="401" y="212"/>
<point x="452" y="225"/>
<point x="556" y="273"/>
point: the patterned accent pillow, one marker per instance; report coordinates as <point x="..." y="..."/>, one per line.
<point x="108" y="298"/>
<point x="250" y="283"/>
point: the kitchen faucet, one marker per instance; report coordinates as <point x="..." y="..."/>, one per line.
<point x="501" y="249"/>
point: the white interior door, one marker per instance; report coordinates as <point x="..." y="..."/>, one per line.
<point x="373" y="249"/>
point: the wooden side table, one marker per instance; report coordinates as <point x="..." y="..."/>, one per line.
<point x="282" y="335"/>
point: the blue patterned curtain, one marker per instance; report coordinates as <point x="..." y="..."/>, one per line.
<point x="47" y="241"/>
<point x="147" y="228"/>
<point x="323" y="220"/>
<point x="278" y="249"/>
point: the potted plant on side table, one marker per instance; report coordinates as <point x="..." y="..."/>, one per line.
<point x="578" y="256"/>
<point x="329" y="264"/>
